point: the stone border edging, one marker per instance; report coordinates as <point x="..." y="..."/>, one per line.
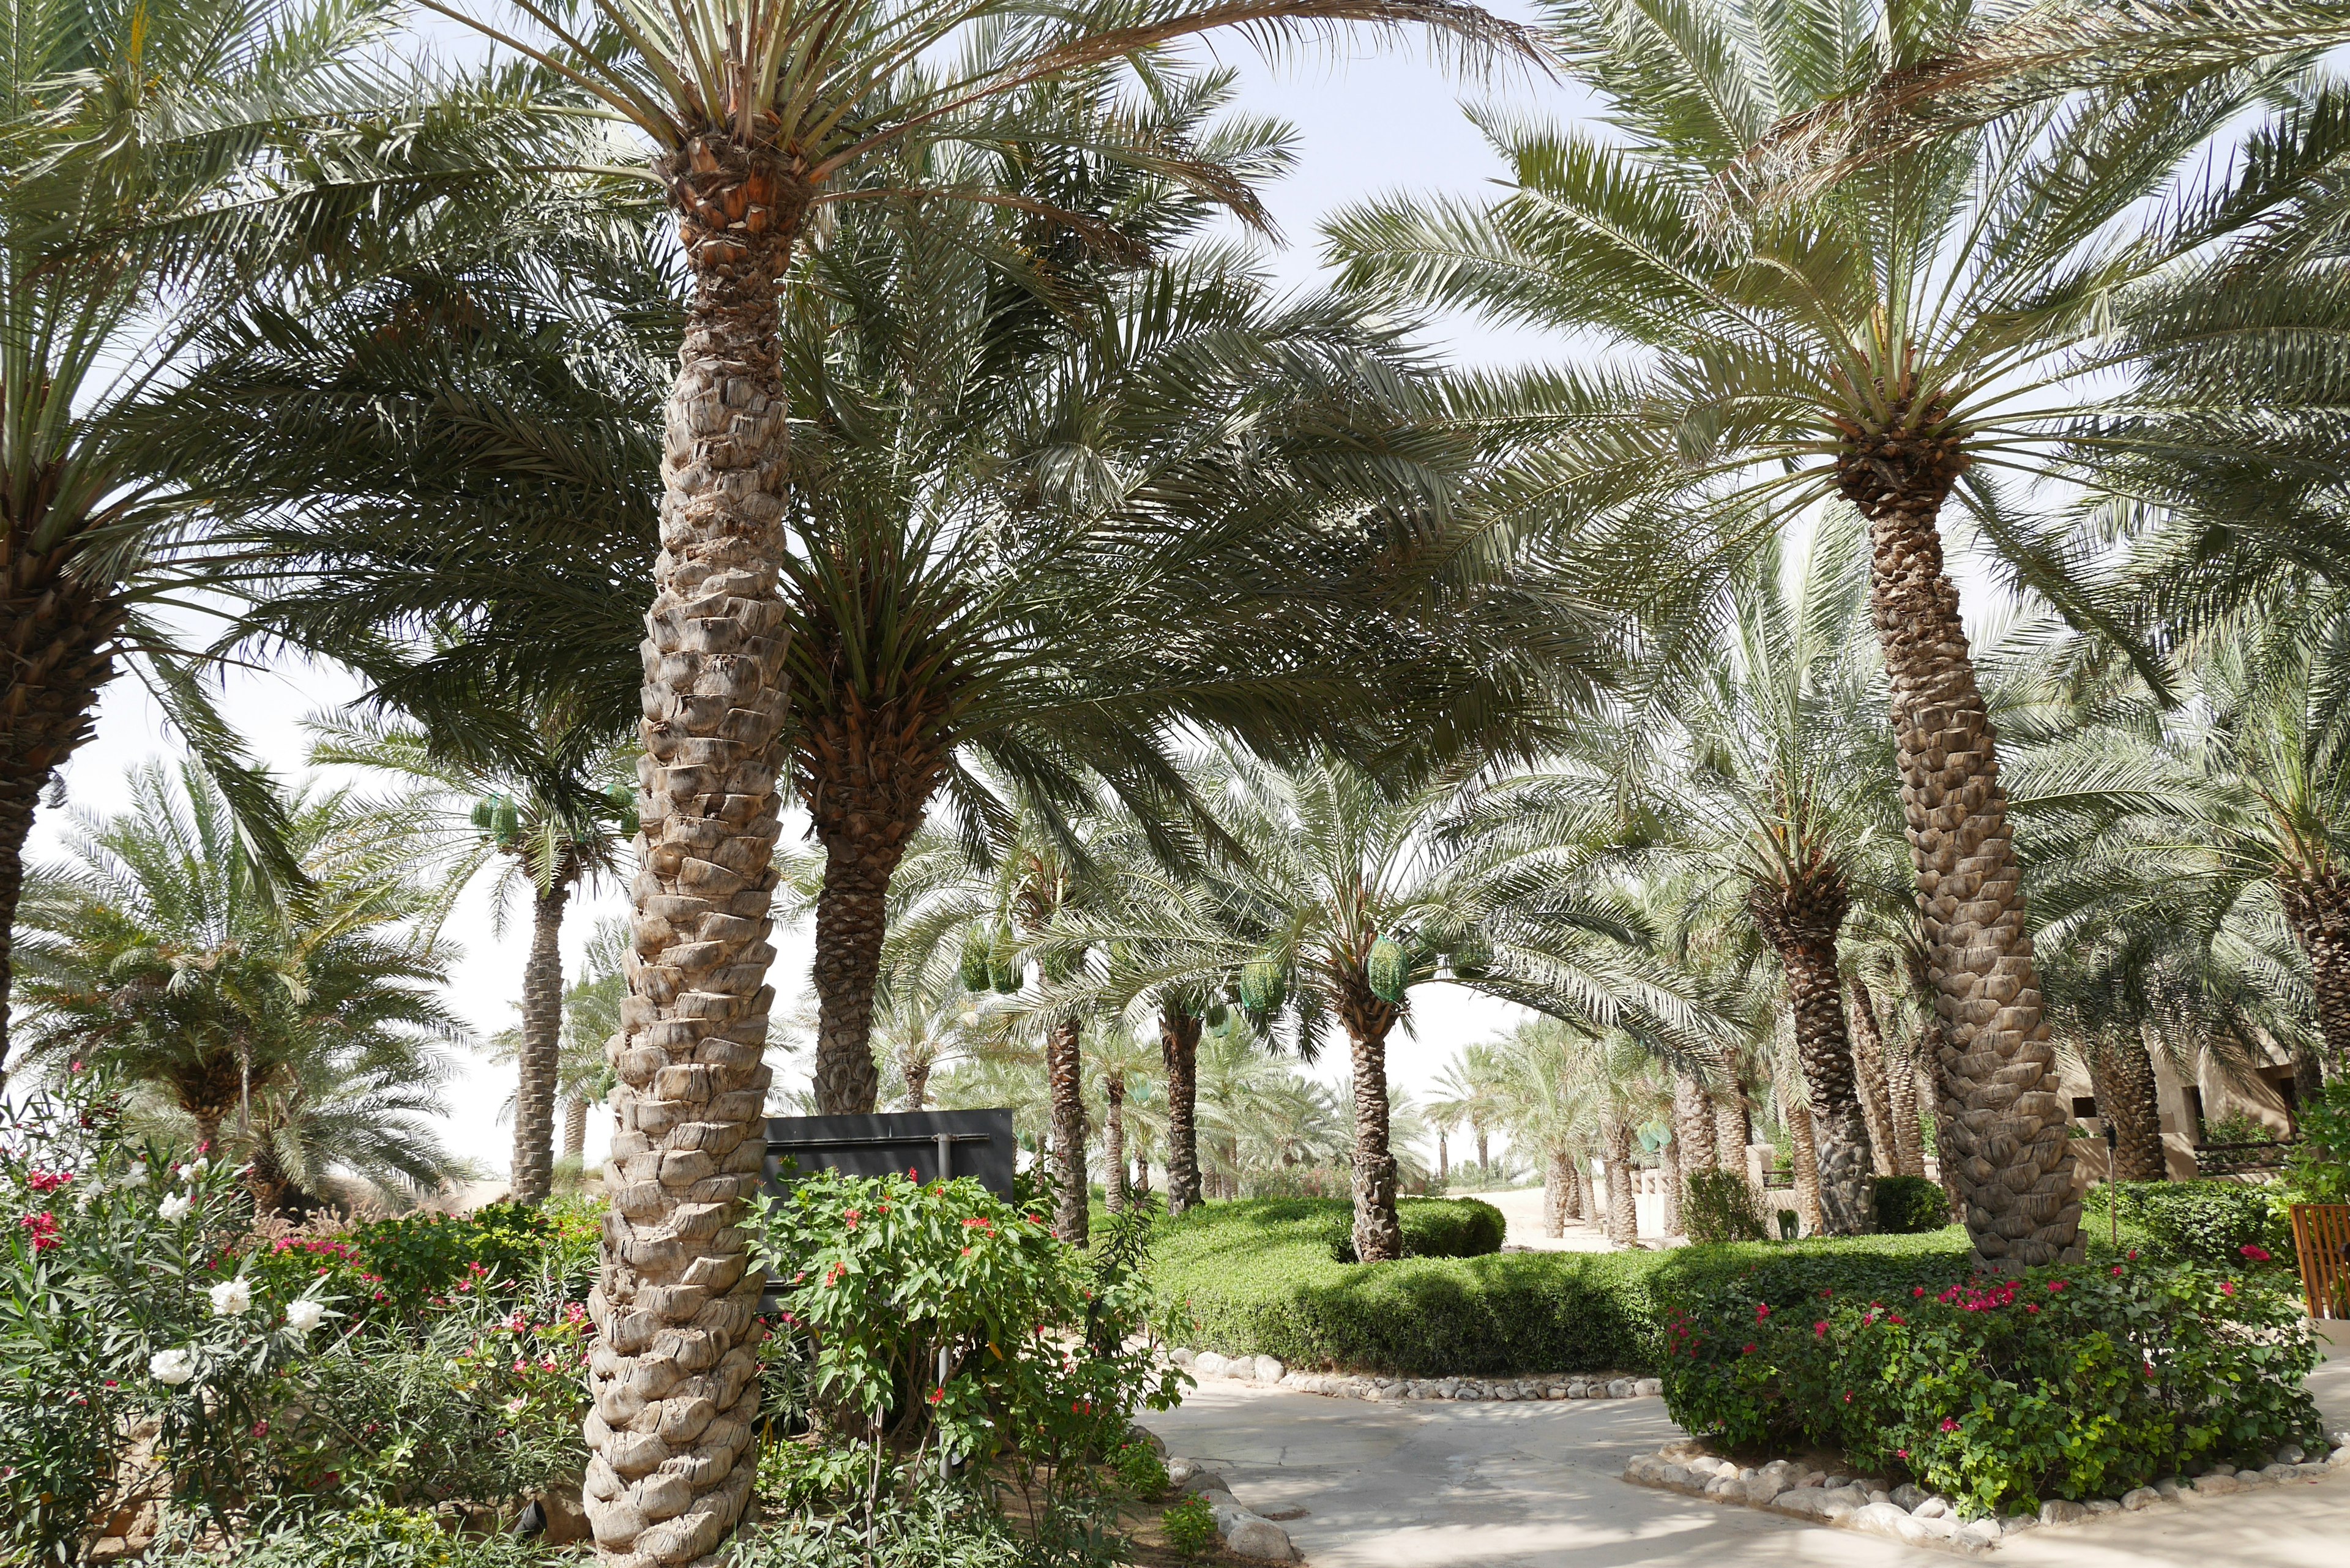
<point x="1268" y="1370"/>
<point x="1244" y="1533"/>
<point x="1917" y="1518"/>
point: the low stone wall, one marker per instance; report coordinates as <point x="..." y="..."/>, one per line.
<point x="1909" y="1514"/>
<point x="1268" y="1371"/>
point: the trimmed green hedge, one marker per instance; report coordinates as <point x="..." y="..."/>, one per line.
<point x="1432" y="1227"/>
<point x="1258" y="1278"/>
<point x="1909" y="1205"/>
<point x="2212" y="1221"/>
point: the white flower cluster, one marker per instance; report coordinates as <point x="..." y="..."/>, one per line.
<point x="171" y="1367"/>
<point x="304" y="1315"/>
<point x="174" y="1208"/>
<point x="230" y="1297"/>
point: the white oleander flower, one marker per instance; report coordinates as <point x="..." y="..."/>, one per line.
<point x="230" y="1297"/>
<point x="133" y="1178"/>
<point x="198" y="1168"/>
<point x="304" y="1315"/>
<point x="171" y="1367"/>
<point x="174" y="1208"/>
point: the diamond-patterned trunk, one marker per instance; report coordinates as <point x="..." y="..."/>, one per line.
<point x="2004" y="1145"/>
<point x="1063" y="1076"/>
<point x="541" y="1045"/>
<point x="2121" y="1074"/>
<point x="1869" y="1077"/>
<point x="1800" y="918"/>
<point x="674" y="1377"/>
<point x="1378" y="1231"/>
<point x="1179" y="1052"/>
<point x="2317" y="907"/>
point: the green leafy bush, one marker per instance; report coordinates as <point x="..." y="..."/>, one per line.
<point x="1140" y="1470"/>
<point x="1910" y="1205"/>
<point x="2056" y="1383"/>
<point x="1719" y="1206"/>
<point x="1433" y="1228"/>
<point x="878" y="1276"/>
<point x="414" y="1263"/>
<point x="2211" y="1220"/>
<point x="936" y="1527"/>
<point x="369" y="1537"/>
<point x="1257" y="1278"/>
<point x="1189" y="1526"/>
<point x="2318" y="1171"/>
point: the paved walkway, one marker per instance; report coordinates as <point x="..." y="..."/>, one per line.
<point x="1472" y="1485"/>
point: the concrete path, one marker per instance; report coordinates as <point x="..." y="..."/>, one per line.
<point x="1476" y="1485"/>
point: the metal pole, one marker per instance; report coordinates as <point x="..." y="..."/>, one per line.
<point x="946" y="1170"/>
<point x="2113" y="1193"/>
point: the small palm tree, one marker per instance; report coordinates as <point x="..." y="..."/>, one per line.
<point x="294" y="1028"/>
<point x="1890" y="342"/>
<point x="545" y="805"/>
<point x="1122" y="1066"/>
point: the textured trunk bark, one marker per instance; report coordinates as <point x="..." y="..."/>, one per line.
<point x="1379" y="1231"/>
<point x="1693" y="1128"/>
<point x="1731" y="1130"/>
<point x="1673" y="1175"/>
<point x="2317" y="907"/>
<point x="918" y="1083"/>
<point x="542" y="1047"/>
<point x="1804" y="1156"/>
<point x="1586" y="1196"/>
<point x="1443" y="1160"/>
<point x="1623" y="1213"/>
<point x="2121" y="1074"/>
<point x="1901" y="1098"/>
<point x="1484" y="1164"/>
<point x="2006" y="1145"/>
<point x="1937" y="1098"/>
<point x="1114" y="1144"/>
<point x="574" y="1128"/>
<point x="1064" y="1071"/>
<point x="868" y="776"/>
<point x="1179" y="1053"/>
<point x="1800" y="919"/>
<point x="1869" y="1078"/>
<point x="58" y="639"/>
<point x="673" y="1377"/>
<point x="1558" y="1191"/>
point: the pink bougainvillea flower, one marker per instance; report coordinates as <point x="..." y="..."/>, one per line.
<point x="1748" y="1351"/>
<point x="1761" y="1310"/>
<point x="1948" y="1424"/>
<point x="2257" y="1253"/>
<point x="2227" y="1287"/>
<point x="1820" y="1329"/>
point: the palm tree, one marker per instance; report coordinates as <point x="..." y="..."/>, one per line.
<point x="125" y="228"/>
<point x="1121" y="1065"/>
<point x="1470" y="1090"/>
<point x="1536" y="1076"/>
<point x="543" y="802"/>
<point x="591" y="1016"/>
<point x="1352" y="901"/>
<point x="1931" y="318"/>
<point x="295" y="1029"/>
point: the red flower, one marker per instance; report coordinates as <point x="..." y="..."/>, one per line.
<point x="2258" y="1255"/>
<point x="1919" y="1291"/>
<point x="936" y="1393"/>
<point x="2030" y="1307"/>
<point x="1820" y="1329"/>
<point x="2055" y="1286"/>
<point x="1847" y="1395"/>
<point x="2118" y="1271"/>
<point x="1761" y="1310"/>
<point x="1903" y="1453"/>
<point x="2227" y="1287"/>
<point x="1948" y="1424"/>
<point x="43" y="1230"/>
<point x="1748" y="1351"/>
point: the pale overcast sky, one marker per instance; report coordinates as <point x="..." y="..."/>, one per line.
<point x="1368" y="122"/>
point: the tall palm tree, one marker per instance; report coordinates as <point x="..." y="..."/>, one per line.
<point x="1122" y="1066"/>
<point x="166" y="165"/>
<point x="294" y="1028"/>
<point x="1890" y="342"/>
<point x="542" y="803"/>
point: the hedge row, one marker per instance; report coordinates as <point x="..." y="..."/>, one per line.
<point x="1258" y="1278"/>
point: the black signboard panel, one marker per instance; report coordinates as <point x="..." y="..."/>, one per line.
<point x="930" y="1144"/>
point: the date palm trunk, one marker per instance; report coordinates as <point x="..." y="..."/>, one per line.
<point x="574" y="1128"/>
<point x="1869" y="1076"/>
<point x="1801" y="917"/>
<point x="1586" y="1196"/>
<point x="1671" y="1164"/>
<point x="674" y="1377"/>
<point x="542" y="1047"/>
<point x="2317" y="907"/>
<point x="1622" y="1210"/>
<point x="869" y="775"/>
<point x="2006" y="1145"/>
<point x="1804" y="1156"/>
<point x="1444" y="1159"/>
<point x="918" y="1082"/>
<point x="1558" y="1191"/>
<point x="1179" y="1052"/>
<point x="1064" y="1075"/>
<point x="1693" y="1134"/>
<point x="58" y="637"/>
<point x="1908" y="1133"/>
<point x="1114" y="1142"/>
<point x="2121" y="1074"/>
<point x="1732" y="1130"/>
<point x="1379" y="1228"/>
<point x="1485" y="1162"/>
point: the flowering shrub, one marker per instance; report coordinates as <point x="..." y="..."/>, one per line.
<point x="2001" y="1392"/>
<point x="2212" y="1222"/>
<point x="122" y="1307"/>
<point x="369" y="1537"/>
<point x="1047" y="1349"/>
<point x="416" y="1263"/>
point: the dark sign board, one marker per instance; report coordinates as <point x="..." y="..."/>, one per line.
<point x="930" y="1144"/>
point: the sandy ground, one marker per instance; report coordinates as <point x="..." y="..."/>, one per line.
<point x="1522" y="1208"/>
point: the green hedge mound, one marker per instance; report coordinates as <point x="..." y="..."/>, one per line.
<point x="2210" y="1222"/>
<point x="1432" y="1227"/>
<point x="1910" y="1205"/>
<point x="1259" y="1279"/>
